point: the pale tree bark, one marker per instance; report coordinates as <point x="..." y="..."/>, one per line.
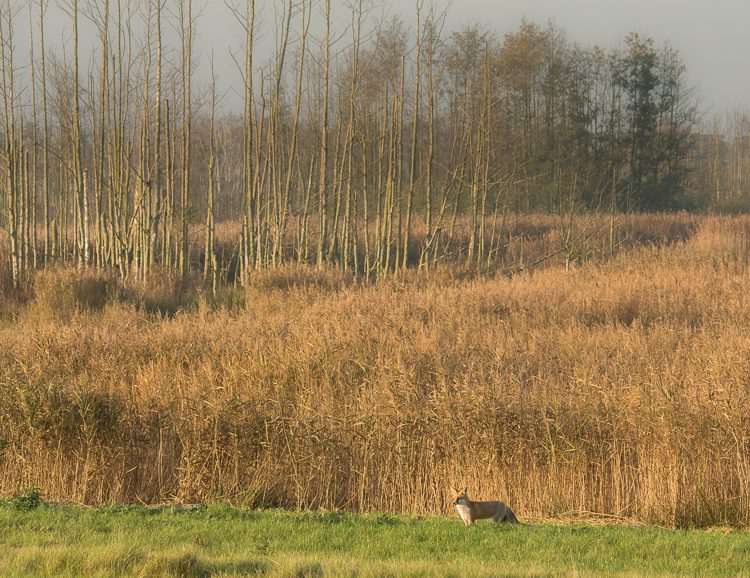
<point x="247" y="256"/>
<point x="293" y="147"/>
<point x="209" y="255"/>
<point x="349" y="237"/>
<point x="33" y="197"/>
<point x="323" y="177"/>
<point x="156" y="202"/>
<point x="186" y="38"/>
<point x="424" y="255"/>
<point x="414" y="137"/>
<point x="275" y="142"/>
<point x="82" y="213"/>
<point x="11" y="154"/>
<point x="102" y="230"/>
<point x="48" y="253"/>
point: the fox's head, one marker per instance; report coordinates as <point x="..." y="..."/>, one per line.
<point x="460" y="497"/>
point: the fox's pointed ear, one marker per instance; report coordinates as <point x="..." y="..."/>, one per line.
<point x="454" y="490"/>
<point x="466" y="490"/>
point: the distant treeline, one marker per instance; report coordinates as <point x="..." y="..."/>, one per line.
<point x="364" y="148"/>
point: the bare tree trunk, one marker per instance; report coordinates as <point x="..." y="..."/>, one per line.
<point x="209" y="257"/>
<point x="34" y="148"/>
<point x="45" y="136"/>
<point x="399" y="178"/>
<point x="82" y="204"/>
<point x="323" y="177"/>
<point x="294" y="152"/>
<point x="249" y="225"/>
<point x="11" y="154"/>
<point x="423" y="258"/>
<point x="281" y="191"/>
<point x="186" y="36"/>
<point x="349" y="237"/>
<point x="99" y="180"/>
<point x="168" y="225"/>
<point x="414" y="138"/>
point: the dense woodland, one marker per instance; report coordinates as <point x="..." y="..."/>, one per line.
<point x="372" y="147"/>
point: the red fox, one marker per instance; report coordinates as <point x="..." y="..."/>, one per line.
<point x="470" y="511"/>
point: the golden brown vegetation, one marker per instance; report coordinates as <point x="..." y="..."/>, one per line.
<point x="618" y="386"/>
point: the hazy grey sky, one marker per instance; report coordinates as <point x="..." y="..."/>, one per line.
<point x="713" y="37"/>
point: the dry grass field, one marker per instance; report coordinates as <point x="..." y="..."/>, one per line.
<point x="618" y="386"/>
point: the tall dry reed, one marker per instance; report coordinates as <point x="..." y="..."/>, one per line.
<point x="618" y="387"/>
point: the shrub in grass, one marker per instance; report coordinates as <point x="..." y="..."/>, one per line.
<point x="28" y="499"/>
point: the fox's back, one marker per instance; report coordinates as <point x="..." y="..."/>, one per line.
<point x="484" y="510"/>
<point x="470" y="510"/>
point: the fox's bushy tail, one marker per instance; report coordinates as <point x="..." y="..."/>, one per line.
<point x="510" y="516"/>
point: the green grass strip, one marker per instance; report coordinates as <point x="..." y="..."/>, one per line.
<point x="222" y="541"/>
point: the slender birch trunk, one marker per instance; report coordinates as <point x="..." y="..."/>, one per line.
<point x="323" y="177"/>
<point x="186" y="63"/>
<point x="414" y="138"/>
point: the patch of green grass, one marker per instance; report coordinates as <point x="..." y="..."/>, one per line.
<point x="223" y="541"/>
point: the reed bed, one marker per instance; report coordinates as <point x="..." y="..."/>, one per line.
<point x="616" y="387"/>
